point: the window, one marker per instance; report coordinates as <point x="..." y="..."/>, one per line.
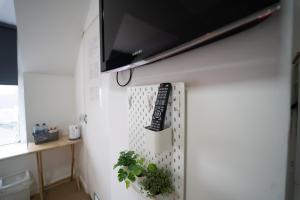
<point x="9" y="129"/>
<point x="9" y="115"/>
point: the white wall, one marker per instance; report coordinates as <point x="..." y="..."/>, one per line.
<point x="296" y="45"/>
<point x="49" y="99"/>
<point x="49" y="34"/>
<point x="238" y="97"/>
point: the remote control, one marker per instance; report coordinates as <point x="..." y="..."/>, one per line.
<point x="160" y="109"/>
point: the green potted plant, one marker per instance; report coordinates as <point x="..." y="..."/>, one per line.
<point x="130" y="166"/>
<point x="157" y="182"/>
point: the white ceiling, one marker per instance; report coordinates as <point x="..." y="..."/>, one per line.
<point x="49" y="33"/>
<point x="7" y="12"/>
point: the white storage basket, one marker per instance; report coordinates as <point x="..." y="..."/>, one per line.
<point x="16" y="187"/>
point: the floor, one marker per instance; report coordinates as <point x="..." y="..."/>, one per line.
<point x="297" y="192"/>
<point x="65" y="191"/>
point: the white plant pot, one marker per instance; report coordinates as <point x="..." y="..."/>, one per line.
<point x="136" y="185"/>
<point x="137" y="188"/>
<point x="160" y="197"/>
<point x="158" y="141"/>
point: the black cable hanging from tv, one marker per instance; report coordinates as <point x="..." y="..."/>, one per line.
<point x="129" y="80"/>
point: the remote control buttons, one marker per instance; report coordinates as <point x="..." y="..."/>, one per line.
<point x="157" y="113"/>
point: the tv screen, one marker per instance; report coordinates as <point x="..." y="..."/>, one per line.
<point x="136" y="32"/>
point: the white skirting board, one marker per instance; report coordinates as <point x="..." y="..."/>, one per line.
<point x="141" y="101"/>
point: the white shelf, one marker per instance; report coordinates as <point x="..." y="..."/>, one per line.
<point x="167" y="148"/>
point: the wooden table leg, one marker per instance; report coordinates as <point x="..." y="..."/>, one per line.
<point x="72" y="162"/>
<point x="73" y="168"/>
<point x="77" y="183"/>
<point x="40" y="174"/>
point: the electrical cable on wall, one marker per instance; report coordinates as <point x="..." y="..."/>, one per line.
<point x="129" y="80"/>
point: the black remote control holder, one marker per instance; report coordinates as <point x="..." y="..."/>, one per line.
<point x="158" y="141"/>
<point x="158" y="138"/>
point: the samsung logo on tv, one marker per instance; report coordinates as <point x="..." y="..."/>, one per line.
<point x="137" y="52"/>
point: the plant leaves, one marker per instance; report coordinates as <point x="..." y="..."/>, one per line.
<point x="122" y="175"/>
<point x="131" y="177"/>
<point x="141" y="161"/>
<point x="157" y="181"/>
<point x="152" y="167"/>
<point x="130" y="153"/>
<point x="127" y="182"/>
<point x="136" y="169"/>
<point x="130" y="165"/>
<point x="116" y="165"/>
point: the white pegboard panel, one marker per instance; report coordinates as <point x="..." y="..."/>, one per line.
<point x="141" y="101"/>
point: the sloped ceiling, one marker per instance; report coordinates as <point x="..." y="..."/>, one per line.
<point x="49" y="34"/>
<point x="7" y="12"/>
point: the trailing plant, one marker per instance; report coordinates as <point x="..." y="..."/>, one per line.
<point x="157" y="181"/>
<point x="130" y="166"/>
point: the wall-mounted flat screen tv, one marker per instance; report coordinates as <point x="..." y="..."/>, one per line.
<point x="137" y="32"/>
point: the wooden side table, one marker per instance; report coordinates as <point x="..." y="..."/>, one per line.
<point x="38" y="149"/>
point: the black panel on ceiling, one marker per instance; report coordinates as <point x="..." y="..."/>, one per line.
<point x="8" y="55"/>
